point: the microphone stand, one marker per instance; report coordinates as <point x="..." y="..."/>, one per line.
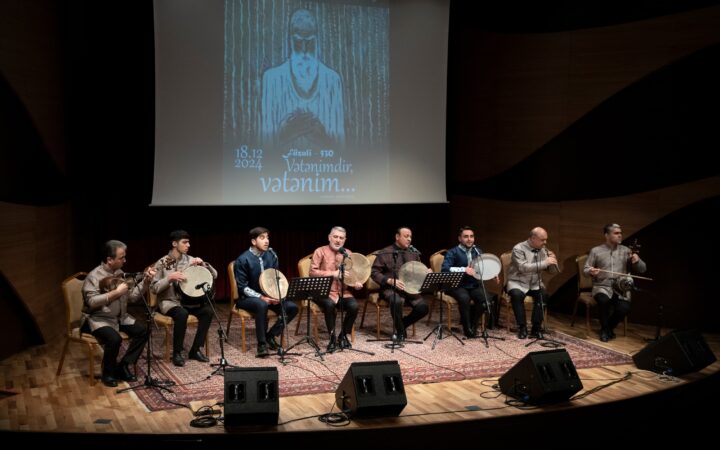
<point x="484" y="334"/>
<point x="149" y="382"/>
<point x="219" y="367"/>
<point x="541" y="296"/>
<point x="281" y="350"/>
<point x="342" y="310"/>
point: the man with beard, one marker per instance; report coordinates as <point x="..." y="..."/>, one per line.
<point x="302" y="98"/>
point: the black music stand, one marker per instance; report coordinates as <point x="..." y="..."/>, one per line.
<point x="149" y="382"/>
<point x="438" y="282"/>
<point x="308" y="288"/>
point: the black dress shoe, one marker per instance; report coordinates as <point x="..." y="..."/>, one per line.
<point x="123" y="373"/>
<point x="331" y="347"/>
<point x="198" y="356"/>
<point x="271" y="342"/>
<point x="604" y="336"/>
<point x="536" y="333"/>
<point x="522" y="332"/>
<point x="262" y="351"/>
<point x="109" y="381"/>
<point x="178" y="359"/>
<point x="344" y="342"/>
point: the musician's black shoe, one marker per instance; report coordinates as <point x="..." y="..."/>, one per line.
<point x="536" y="333"/>
<point x="604" y="336"/>
<point x="178" y="359"/>
<point x="262" y="351"/>
<point x="522" y="332"/>
<point x="122" y="372"/>
<point x="331" y="347"/>
<point x="344" y="342"/>
<point x="470" y="333"/>
<point x="271" y="342"/>
<point x="109" y="381"/>
<point x="198" y="356"/>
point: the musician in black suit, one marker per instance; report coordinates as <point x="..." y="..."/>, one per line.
<point x="169" y="271"/>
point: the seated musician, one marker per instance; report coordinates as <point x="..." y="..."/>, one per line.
<point x="325" y="263"/>
<point x="105" y="313"/>
<point x="605" y="262"/>
<point x="387" y="263"/>
<point x="169" y="271"/>
<point x="248" y="267"/>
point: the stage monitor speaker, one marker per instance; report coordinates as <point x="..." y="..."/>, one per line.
<point x="676" y="353"/>
<point x="372" y="389"/>
<point x="251" y="395"/>
<point x="542" y="377"/>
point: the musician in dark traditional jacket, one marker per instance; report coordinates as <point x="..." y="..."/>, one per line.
<point x="388" y="263"/>
<point x="248" y="267"/>
<point x="105" y="313"/>
<point x="169" y="272"/>
<point x="470" y="294"/>
<point x="605" y="264"/>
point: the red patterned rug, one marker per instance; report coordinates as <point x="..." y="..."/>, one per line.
<point x="308" y="374"/>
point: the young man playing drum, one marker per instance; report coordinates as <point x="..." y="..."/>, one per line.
<point x="169" y="273"/>
<point x="470" y="294"/>
<point x="326" y="262"/>
<point x="248" y="268"/>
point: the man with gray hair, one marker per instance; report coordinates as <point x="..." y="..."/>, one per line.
<point x="605" y="264"/>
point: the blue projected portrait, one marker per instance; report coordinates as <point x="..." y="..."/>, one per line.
<point x="302" y="98"/>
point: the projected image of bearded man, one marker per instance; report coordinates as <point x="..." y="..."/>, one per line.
<point x="302" y="98"/>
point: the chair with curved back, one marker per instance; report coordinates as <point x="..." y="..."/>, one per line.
<point x="304" y="271"/>
<point x="584" y="295"/>
<point x="506" y="259"/>
<point x="167" y="323"/>
<point x="241" y="313"/>
<point x="436" y="262"/>
<point x="373" y="298"/>
<point x="72" y="294"/>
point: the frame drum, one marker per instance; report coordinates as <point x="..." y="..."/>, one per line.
<point x="487" y="266"/>
<point x="268" y="281"/>
<point x="413" y="273"/>
<point x="358" y="267"/>
<point x="195" y="276"/>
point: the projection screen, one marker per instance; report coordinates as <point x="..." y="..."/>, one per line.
<point x="282" y="102"/>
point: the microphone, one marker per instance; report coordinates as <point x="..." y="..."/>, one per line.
<point x="132" y="274"/>
<point x="343" y="252"/>
<point x="477" y="249"/>
<point x="272" y="252"/>
<point x="199" y="286"/>
<point x="413" y="249"/>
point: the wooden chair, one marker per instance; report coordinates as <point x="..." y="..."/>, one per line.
<point x="304" y="271"/>
<point x="241" y="313"/>
<point x="584" y="295"/>
<point x="374" y="299"/>
<point x="436" y="262"/>
<point x="167" y="323"/>
<point x="72" y="294"/>
<point x="506" y="259"/>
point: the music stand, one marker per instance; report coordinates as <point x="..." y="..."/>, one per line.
<point x="308" y="288"/>
<point x="149" y="382"/>
<point x="438" y="282"/>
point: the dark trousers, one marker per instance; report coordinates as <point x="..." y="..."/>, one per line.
<point x="349" y="308"/>
<point x="471" y="304"/>
<point x="111" y="340"/>
<point x="517" y="298"/>
<point x="259" y="308"/>
<point x="180" y="315"/>
<point x="612" y="310"/>
<point x="418" y="303"/>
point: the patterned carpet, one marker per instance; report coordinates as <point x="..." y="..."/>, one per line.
<point x="308" y="374"/>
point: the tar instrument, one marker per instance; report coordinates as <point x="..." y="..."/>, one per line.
<point x="269" y="281"/>
<point x="412" y="274"/>
<point x="198" y="279"/>
<point x="358" y="268"/>
<point x="108" y="284"/>
<point x="487" y="266"/>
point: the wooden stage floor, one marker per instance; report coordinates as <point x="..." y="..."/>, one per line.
<point x="33" y="400"/>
